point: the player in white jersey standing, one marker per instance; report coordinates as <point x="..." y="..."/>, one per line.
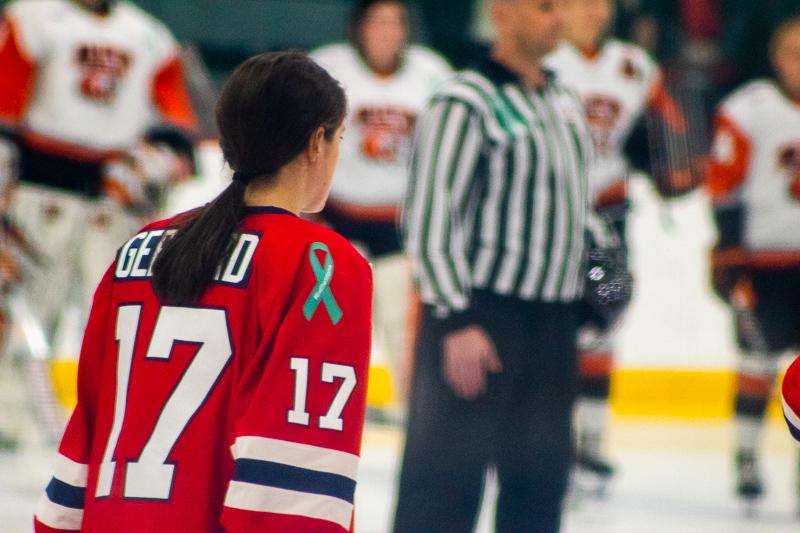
<point x="621" y="88"/>
<point x="754" y="180"/>
<point x="93" y="97"/>
<point x="388" y="81"/>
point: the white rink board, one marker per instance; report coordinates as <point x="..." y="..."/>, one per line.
<point x="675" y="320"/>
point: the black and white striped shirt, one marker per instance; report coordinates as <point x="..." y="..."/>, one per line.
<point x="498" y="191"/>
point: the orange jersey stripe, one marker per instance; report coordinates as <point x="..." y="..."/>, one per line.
<point x="614" y="194"/>
<point x="766" y="259"/>
<point x="365" y="213"/>
<point x="727" y="167"/>
<point x="596" y="365"/>
<point x="18" y="74"/>
<point x="52" y="146"/>
<point x="171" y="96"/>
<point x="758" y="386"/>
<point x="662" y="103"/>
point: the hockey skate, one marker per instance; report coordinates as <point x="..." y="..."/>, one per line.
<point x="593" y="474"/>
<point x="749" y="487"/>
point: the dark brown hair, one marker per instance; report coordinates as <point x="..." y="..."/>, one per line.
<point x="269" y="109"/>
<point x="359" y="13"/>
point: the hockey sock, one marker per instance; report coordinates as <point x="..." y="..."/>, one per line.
<point x="592" y="409"/>
<point x="753" y="385"/>
<point x="592" y="419"/>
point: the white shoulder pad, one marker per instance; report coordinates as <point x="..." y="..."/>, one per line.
<point x="31" y="19"/>
<point x="745" y="104"/>
<point x="425" y="58"/>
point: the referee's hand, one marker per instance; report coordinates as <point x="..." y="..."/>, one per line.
<point x="469" y="356"/>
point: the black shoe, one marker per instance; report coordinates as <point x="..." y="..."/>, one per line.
<point x="594" y="464"/>
<point x="749" y="486"/>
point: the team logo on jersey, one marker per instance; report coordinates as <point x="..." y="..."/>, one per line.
<point x="789" y="165"/>
<point x="602" y="113"/>
<point x="51" y="212"/>
<point x="102" y="67"/>
<point x="101" y="220"/>
<point x="630" y="70"/>
<point x="386" y="132"/>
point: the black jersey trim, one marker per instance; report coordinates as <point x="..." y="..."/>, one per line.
<point x="267" y="210"/>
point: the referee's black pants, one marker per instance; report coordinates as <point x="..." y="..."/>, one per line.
<point x="521" y="425"/>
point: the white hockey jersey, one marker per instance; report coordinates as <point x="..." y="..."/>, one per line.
<point x="76" y="82"/>
<point x="616" y="85"/>
<point x="755" y="162"/>
<point x="382" y="114"/>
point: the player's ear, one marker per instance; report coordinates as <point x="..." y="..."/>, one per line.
<point x="315" y="144"/>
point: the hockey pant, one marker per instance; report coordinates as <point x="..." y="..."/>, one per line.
<point x="76" y="238"/>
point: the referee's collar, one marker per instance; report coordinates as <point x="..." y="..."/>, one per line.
<point x="498" y="73"/>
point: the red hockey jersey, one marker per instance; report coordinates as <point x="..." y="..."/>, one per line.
<point x="241" y="413"/>
<point x="791" y="399"/>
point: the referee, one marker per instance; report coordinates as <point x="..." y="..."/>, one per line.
<point x="495" y="220"/>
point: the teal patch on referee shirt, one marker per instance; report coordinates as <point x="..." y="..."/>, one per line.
<point x="507" y="117"/>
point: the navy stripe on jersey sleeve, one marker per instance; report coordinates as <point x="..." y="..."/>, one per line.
<point x="65" y="494"/>
<point x="294" y="478"/>
<point x="795" y="431"/>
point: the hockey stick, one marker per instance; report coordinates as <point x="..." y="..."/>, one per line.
<point x="37" y="350"/>
<point x="37" y="369"/>
<point x="16" y="238"/>
<point x="750" y="328"/>
<point x="677" y="135"/>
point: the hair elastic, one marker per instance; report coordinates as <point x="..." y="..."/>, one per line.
<point x="242" y="177"/>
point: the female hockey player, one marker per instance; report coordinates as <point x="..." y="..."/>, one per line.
<point x="622" y="89"/>
<point x="387" y="82"/>
<point x="754" y="181"/>
<point x="222" y="379"/>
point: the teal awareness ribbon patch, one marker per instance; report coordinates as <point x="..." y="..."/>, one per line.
<point x="322" y="290"/>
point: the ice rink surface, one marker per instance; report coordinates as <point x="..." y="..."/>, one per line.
<point x="674" y="477"/>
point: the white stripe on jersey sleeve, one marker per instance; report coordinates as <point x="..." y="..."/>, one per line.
<point x="57" y="516"/>
<point x="791" y="417"/>
<point x="296" y="454"/>
<point x="70" y="472"/>
<point x="260" y="498"/>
